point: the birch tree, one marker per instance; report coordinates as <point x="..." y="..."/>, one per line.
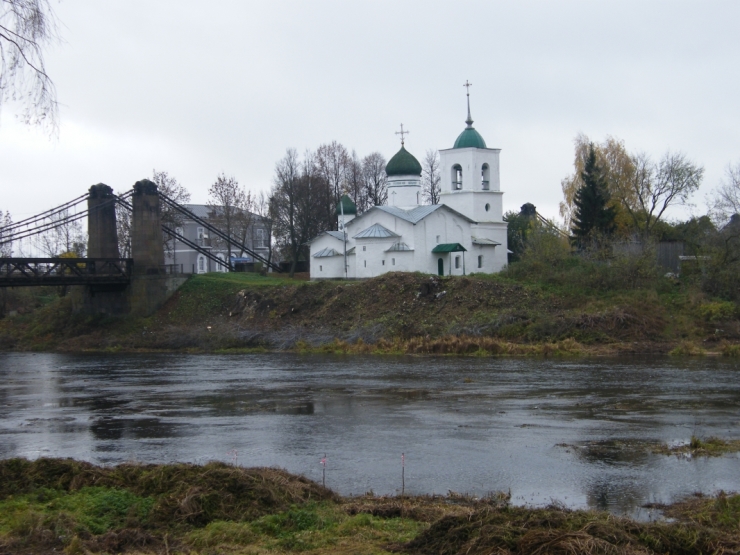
<point x="26" y="28"/>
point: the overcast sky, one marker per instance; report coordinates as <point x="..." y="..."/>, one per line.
<point x="197" y="88"/>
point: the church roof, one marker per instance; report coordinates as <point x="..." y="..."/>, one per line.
<point x="323" y="253"/>
<point x="403" y="163"/>
<point x="336" y="234"/>
<point x="417" y="213"/>
<point x="346" y="205"/>
<point x="485" y="242"/>
<point x="470" y="138"/>
<point x="375" y="231"/>
<point x="398" y="247"/>
<point x="449" y="247"/>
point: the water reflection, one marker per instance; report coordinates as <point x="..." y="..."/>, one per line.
<point x="579" y="432"/>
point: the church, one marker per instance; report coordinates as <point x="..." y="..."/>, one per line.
<point x="464" y="233"/>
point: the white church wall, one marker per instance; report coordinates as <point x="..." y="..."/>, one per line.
<point x="327" y="267"/>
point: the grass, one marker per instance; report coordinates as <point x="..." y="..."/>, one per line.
<point x="520" y="312"/>
<point x="697" y="447"/>
<point x="53" y="505"/>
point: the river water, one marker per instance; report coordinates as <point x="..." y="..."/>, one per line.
<point x="574" y="431"/>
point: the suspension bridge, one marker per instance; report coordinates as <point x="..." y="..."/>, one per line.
<point x="112" y="284"/>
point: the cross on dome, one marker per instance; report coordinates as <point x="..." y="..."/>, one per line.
<point x="402" y="133"/>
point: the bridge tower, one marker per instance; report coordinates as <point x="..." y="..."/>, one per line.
<point x="148" y="289"/>
<point x="101" y="223"/>
<point x="102" y="242"/>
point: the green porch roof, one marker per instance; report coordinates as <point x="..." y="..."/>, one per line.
<point x="449" y="247"/>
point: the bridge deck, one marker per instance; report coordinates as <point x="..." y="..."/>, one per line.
<point x="24" y="272"/>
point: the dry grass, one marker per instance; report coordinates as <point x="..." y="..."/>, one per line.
<point x="54" y="506"/>
<point x="697" y="447"/>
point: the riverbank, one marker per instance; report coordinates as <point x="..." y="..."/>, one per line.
<point x="62" y="505"/>
<point x="395" y="313"/>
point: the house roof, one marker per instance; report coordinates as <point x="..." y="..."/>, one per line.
<point x="205" y="211"/>
<point x="449" y="247"/>
<point x="412" y="215"/>
<point x="375" y="231"/>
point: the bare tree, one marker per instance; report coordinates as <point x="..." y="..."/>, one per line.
<point x="6" y="243"/>
<point x="66" y="237"/>
<point x="356" y="183"/>
<point x="299" y="193"/>
<point x="332" y="163"/>
<point x="229" y="208"/>
<point x="654" y="187"/>
<point x="26" y="27"/>
<point x="123" y="230"/>
<point x="431" y="177"/>
<point x="170" y="217"/>
<point x="376" y="181"/>
<point x="725" y="199"/>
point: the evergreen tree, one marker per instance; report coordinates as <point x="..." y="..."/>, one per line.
<point x="593" y="218"/>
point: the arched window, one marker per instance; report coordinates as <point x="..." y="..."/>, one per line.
<point x="456" y="177"/>
<point x="222" y="267"/>
<point x="485" y="177"/>
<point x="201" y="264"/>
<point x="178" y="230"/>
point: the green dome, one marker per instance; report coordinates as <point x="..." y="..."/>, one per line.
<point x="403" y="163"/>
<point x="469" y="138"/>
<point x="346" y="205"/>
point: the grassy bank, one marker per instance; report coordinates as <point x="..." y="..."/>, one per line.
<point x="53" y="506"/>
<point x="483" y="315"/>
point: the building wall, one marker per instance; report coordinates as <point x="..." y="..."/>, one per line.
<point x="186" y="258"/>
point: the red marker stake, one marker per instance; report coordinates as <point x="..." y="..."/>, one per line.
<point x="403" y="473"/>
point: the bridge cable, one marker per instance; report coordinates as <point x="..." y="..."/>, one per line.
<point x="217" y="231"/>
<point x="174" y="234"/>
<point x="44" y="215"/>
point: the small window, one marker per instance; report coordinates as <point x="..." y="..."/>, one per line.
<point x="485" y="174"/>
<point x="201" y="233"/>
<point x="488" y="207"/>
<point x="438" y="239"/>
<point x="260" y="238"/>
<point x="365" y="263"/>
<point x="364" y="248"/>
<point x="383" y="263"/>
<point x="480" y="261"/>
<point x="178" y="230"/>
<point x="457" y="262"/>
<point x="393" y="261"/>
<point x="321" y="268"/>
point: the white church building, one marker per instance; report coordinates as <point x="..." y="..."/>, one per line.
<point x="464" y="233"/>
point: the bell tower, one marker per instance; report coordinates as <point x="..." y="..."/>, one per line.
<point x="469" y="172"/>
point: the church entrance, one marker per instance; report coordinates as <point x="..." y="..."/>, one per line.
<point x="440" y="267"/>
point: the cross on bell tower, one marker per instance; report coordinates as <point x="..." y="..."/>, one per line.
<point x="467" y="86"/>
<point x="402" y="133"/>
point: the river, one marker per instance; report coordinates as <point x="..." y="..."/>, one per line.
<point x="575" y="431"/>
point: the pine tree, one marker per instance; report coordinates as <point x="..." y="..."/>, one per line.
<point x="593" y="218"/>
